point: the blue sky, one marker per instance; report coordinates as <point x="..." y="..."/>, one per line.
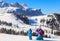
<point x="47" y="6"/>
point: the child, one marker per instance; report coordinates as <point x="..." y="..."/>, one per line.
<point x="30" y="34"/>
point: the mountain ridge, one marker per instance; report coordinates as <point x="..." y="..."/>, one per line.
<point x="21" y="9"/>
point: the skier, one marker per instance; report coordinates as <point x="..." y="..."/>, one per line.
<point x="30" y="34"/>
<point x="40" y="34"/>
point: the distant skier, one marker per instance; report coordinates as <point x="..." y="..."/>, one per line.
<point x="40" y="33"/>
<point x="30" y="34"/>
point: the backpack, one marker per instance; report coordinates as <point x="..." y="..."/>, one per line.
<point x="42" y="32"/>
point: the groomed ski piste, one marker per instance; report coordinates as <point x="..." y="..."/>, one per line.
<point x="8" y="37"/>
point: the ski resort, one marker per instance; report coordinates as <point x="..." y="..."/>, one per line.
<point x="16" y="20"/>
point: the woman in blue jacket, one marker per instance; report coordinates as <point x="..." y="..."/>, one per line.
<point x="30" y="34"/>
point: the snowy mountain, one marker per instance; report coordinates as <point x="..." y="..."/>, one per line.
<point x="5" y="4"/>
<point x="18" y="9"/>
<point x="10" y="21"/>
<point x="29" y="12"/>
<point x="21" y="9"/>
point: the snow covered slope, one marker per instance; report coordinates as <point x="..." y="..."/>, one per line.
<point x="7" y="37"/>
<point x="17" y="24"/>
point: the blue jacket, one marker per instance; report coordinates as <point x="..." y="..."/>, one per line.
<point x="30" y="32"/>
